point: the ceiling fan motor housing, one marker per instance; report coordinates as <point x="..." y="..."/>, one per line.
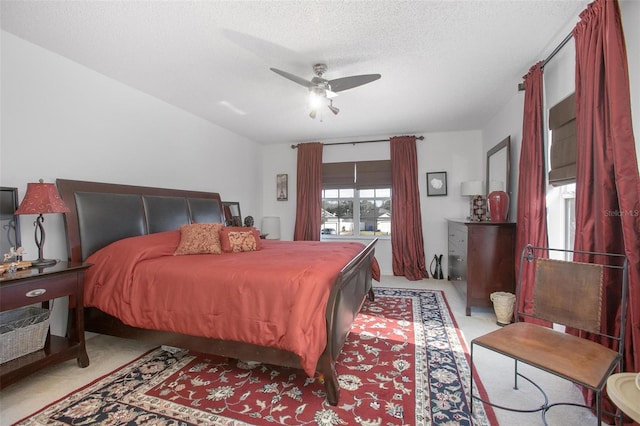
<point x="320" y="69"/>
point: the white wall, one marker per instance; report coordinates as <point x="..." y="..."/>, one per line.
<point x="62" y="120"/>
<point x="457" y="153"/>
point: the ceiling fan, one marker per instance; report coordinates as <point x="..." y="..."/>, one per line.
<point x="322" y="91"/>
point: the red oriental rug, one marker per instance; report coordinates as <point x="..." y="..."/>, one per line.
<point x="404" y="363"/>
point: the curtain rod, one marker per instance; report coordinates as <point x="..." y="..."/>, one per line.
<point x="557" y="49"/>
<point x="420" y="138"/>
<point x="551" y="55"/>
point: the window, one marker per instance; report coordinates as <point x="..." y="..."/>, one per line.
<point x="569" y="195"/>
<point x="356" y="199"/>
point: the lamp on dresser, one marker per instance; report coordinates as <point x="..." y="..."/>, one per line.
<point x="478" y="206"/>
<point x="41" y="198"/>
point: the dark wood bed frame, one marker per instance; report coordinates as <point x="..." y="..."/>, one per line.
<point x="101" y="213"/>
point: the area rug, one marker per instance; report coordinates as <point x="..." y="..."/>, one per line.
<point x="404" y="363"/>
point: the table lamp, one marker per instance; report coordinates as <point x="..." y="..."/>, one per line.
<point x="41" y="198"/>
<point x="478" y="206"/>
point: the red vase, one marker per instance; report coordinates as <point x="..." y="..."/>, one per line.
<point x="498" y="206"/>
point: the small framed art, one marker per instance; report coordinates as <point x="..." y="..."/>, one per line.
<point x="436" y="184"/>
<point x="282" y="190"/>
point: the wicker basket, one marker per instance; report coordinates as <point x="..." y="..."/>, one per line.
<point x="22" y="331"/>
<point x="503" y="306"/>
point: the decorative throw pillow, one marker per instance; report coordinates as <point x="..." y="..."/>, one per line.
<point x="234" y="239"/>
<point x="199" y="238"/>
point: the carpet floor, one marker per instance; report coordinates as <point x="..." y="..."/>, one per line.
<point x="405" y="362"/>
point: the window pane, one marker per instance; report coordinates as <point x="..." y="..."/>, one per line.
<point x="384" y="227"/>
<point x="346" y="227"/>
<point x="367" y="193"/>
<point x="346" y="193"/>
<point x="329" y="209"/>
<point x="368" y="208"/>
<point x="345" y="209"/>
<point x="383" y="193"/>
<point x="330" y="193"/>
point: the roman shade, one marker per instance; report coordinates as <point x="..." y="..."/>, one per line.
<point x="338" y="175"/>
<point x="373" y="174"/>
<point x="562" y="155"/>
<point x="361" y="175"/>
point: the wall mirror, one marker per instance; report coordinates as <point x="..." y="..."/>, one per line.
<point x="232" y="213"/>
<point x="499" y="167"/>
<point x="10" y="236"/>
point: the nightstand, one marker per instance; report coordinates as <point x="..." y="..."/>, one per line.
<point x="40" y="285"/>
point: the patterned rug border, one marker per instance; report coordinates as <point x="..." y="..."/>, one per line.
<point x="445" y="308"/>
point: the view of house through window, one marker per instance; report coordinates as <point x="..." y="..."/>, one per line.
<point x="373" y="215"/>
<point x="356" y="199"/>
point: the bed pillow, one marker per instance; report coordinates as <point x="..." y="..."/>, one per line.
<point x="199" y="238"/>
<point x="236" y="239"/>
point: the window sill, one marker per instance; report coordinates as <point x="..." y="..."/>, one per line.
<point x="353" y="237"/>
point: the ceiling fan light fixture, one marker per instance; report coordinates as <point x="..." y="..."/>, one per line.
<point x="316" y="98"/>
<point x="333" y="109"/>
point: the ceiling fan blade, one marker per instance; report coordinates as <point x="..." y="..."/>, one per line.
<point x="301" y="81"/>
<point x="340" y="84"/>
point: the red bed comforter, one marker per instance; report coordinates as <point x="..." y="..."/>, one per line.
<point x="273" y="297"/>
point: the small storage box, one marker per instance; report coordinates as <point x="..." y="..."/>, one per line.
<point x="22" y="331"/>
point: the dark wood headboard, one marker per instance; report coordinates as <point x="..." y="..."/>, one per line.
<point x="101" y="213"/>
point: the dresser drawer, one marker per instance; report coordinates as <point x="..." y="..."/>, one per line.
<point x="457" y="268"/>
<point x="457" y="239"/>
<point x="457" y="256"/>
<point x="16" y="294"/>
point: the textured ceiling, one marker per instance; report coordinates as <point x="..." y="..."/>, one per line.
<point x="445" y="65"/>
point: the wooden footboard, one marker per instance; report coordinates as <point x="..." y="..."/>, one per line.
<point x="345" y="301"/>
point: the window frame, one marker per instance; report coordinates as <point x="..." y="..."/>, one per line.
<point x="349" y="183"/>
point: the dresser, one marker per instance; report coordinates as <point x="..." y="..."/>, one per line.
<point x="481" y="260"/>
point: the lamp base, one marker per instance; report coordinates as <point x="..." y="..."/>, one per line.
<point x="43" y="262"/>
<point x="478" y="209"/>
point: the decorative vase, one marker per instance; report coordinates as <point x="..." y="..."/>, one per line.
<point x="498" y="206"/>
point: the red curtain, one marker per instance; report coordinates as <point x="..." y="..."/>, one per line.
<point x="532" y="207"/>
<point x="407" y="247"/>
<point x="309" y="192"/>
<point x="607" y="180"/>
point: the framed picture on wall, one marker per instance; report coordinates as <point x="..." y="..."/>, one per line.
<point x="282" y="190"/>
<point x="436" y="184"/>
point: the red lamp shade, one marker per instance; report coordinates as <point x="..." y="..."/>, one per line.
<point x="42" y="198"/>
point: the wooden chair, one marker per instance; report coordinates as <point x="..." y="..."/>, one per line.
<point x="569" y="294"/>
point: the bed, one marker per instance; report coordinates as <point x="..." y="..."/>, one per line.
<point x="130" y="234"/>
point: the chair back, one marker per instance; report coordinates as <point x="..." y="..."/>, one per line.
<point x="568" y="293"/>
<point x="572" y="293"/>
